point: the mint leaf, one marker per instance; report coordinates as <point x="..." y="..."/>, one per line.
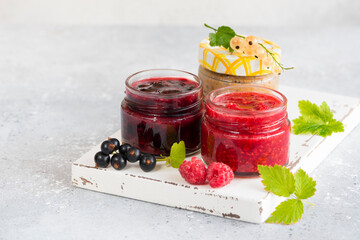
<point x="288" y="212"/>
<point x="177" y="154"/>
<point x="222" y="37"/>
<point x="304" y="185"/>
<point x="316" y="120"/>
<point x="277" y="179"/>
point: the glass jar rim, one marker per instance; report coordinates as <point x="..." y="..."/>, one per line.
<point x="211" y="96"/>
<point x="164" y="70"/>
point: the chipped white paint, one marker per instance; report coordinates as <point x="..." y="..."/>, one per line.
<point x="243" y="199"/>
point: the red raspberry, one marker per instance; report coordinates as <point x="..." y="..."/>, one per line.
<point x="194" y="171"/>
<point x="219" y="174"/>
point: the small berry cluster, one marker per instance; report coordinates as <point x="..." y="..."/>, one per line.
<point x="226" y="37"/>
<point x="121" y="154"/>
<point x="251" y="46"/>
<point x="195" y="172"/>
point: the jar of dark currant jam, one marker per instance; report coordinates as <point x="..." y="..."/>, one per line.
<point x="245" y="126"/>
<point x="162" y="107"/>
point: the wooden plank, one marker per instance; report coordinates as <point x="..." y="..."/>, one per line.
<point x="244" y="198"/>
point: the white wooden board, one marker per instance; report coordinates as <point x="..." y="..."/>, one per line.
<point x="244" y="198"/>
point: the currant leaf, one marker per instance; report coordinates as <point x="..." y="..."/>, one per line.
<point x="316" y="120"/>
<point x="177" y="154"/>
<point x="278" y="180"/>
<point x="288" y="212"/>
<point x="304" y="185"/>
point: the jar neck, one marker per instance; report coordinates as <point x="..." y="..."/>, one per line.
<point x="163" y="91"/>
<point x="159" y="108"/>
<point x="245" y="122"/>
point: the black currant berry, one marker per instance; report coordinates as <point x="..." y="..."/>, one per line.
<point x="102" y="159"/>
<point x="133" y="154"/>
<point x="118" y="162"/>
<point x="107" y="147"/>
<point x="116" y="142"/>
<point x="147" y="162"/>
<point x="124" y="148"/>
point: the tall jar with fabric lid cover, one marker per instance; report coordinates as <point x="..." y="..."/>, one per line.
<point x="219" y="68"/>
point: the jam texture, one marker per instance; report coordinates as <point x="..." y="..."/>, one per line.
<point x="158" y="112"/>
<point x="245" y="129"/>
<point x="165" y="86"/>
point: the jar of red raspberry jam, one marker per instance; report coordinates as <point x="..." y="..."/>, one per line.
<point x="162" y="107"/>
<point x="245" y="126"/>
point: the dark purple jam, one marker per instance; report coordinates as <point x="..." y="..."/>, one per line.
<point x="158" y="112"/>
<point x="165" y="86"/>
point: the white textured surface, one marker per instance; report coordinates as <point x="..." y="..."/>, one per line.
<point x="60" y="90"/>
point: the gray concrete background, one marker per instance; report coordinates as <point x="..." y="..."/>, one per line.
<point x="60" y="91"/>
<point x="273" y="13"/>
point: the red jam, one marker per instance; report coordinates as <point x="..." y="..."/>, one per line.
<point x="158" y="111"/>
<point x="245" y="126"/>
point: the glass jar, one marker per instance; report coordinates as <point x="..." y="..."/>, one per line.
<point x="245" y="126"/>
<point x="213" y="80"/>
<point x="220" y="68"/>
<point x="161" y="107"/>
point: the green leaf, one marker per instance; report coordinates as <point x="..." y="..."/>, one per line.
<point x="288" y="212"/>
<point x="222" y="37"/>
<point x="177" y="154"/>
<point x="336" y="126"/>
<point x="304" y="125"/>
<point x="278" y="180"/>
<point x="327" y="115"/>
<point x="308" y="109"/>
<point x="304" y="185"/>
<point x="316" y="120"/>
<point x="213" y="40"/>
